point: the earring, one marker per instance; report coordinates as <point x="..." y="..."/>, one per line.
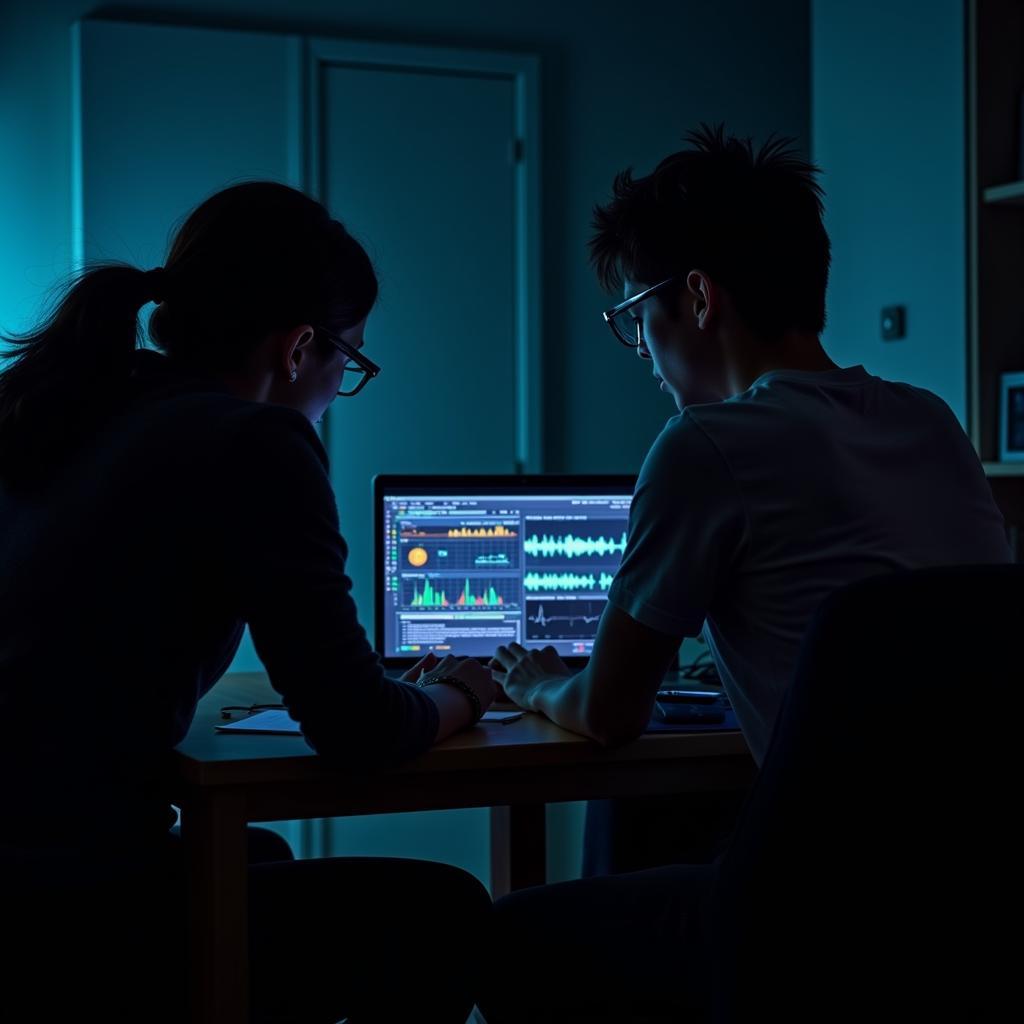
<point x="293" y="376"/>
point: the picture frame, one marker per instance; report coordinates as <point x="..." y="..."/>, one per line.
<point x="1011" y="417"/>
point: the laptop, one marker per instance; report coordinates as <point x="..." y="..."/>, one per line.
<point x="465" y="563"/>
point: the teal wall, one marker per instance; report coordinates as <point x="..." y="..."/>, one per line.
<point x="620" y="83"/>
<point x="887" y="115"/>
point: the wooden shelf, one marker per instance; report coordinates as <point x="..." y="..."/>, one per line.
<point x="995" y="241"/>
<point x="1003" y="468"/>
<point x="1011" y="194"/>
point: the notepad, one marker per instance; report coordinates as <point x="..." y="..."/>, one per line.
<point x="502" y="716"/>
<point x="282" y="724"/>
<point x="273" y="721"/>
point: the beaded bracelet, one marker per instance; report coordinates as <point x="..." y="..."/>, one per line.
<point x="459" y="684"/>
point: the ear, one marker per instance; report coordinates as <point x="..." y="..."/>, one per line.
<point x="296" y="346"/>
<point x="702" y="297"/>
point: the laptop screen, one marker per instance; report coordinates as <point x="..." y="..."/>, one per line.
<point x="467" y="563"/>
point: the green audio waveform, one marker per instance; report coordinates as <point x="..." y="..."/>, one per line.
<point x="566" y="581"/>
<point x="428" y="597"/>
<point x="572" y="547"/>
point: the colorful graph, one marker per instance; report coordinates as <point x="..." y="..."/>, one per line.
<point x="499" y="530"/>
<point x="571" y="546"/>
<point x="570" y="581"/>
<point x="445" y="593"/>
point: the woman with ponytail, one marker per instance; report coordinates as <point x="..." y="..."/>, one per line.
<point x="154" y="501"/>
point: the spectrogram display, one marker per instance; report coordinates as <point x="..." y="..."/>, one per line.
<point x="466" y="572"/>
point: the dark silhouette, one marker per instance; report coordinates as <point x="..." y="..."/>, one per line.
<point x="147" y="512"/>
<point x="870" y="865"/>
<point x="783" y="479"/>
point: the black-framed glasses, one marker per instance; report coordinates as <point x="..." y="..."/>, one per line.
<point x="358" y="375"/>
<point x="628" y="329"/>
<point x="249" y="709"/>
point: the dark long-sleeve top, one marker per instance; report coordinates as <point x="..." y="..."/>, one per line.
<point x="126" y="577"/>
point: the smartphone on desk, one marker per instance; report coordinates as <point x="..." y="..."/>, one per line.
<point x="688" y="714"/>
<point x="673" y="696"/>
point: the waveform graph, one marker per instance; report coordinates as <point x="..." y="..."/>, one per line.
<point x="585" y="541"/>
<point x="563" y="620"/>
<point x="457" y="554"/>
<point x="497" y="560"/>
<point x="460" y="592"/>
<point x="566" y="582"/>
<point x="411" y="529"/>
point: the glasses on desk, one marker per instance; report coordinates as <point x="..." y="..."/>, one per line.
<point x="250" y="709"/>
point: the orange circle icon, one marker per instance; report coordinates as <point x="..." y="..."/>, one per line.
<point x="418" y="557"/>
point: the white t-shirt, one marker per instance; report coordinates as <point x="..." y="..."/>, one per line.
<point x="749" y="512"/>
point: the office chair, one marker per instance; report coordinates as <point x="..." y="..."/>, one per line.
<point x="875" y="864"/>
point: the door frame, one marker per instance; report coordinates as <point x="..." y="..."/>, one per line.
<point x="523" y="71"/>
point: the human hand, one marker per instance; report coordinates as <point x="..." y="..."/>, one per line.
<point x="429" y="661"/>
<point x="520" y="672"/>
<point x="467" y="670"/>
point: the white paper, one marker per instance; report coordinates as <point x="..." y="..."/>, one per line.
<point x="264" y="721"/>
<point x="281" y="722"/>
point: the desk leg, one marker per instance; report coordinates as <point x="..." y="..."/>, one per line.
<point x="518" y="847"/>
<point x="216" y="857"/>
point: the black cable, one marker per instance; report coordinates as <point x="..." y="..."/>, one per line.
<point x="702" y="669"/>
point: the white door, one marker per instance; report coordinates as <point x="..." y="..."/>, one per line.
<point x="422" y="162"/>
<point x="429" y="158"/>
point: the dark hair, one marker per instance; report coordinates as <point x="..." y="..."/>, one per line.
<point x="251" y="259"/>
<point x="751" y="221"/>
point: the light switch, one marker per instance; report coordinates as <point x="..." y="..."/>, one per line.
<point x="894" y="323"/>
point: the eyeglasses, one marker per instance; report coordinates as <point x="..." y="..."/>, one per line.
<point x="249" y="709"/>
<point x="628" y="329"/>
<point x="363" y="371"/>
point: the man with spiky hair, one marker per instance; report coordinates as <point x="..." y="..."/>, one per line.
<point x="783" y="477"/>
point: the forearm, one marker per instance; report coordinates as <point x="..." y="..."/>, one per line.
<point x="609" y="715"/>
<point x="611" y="699"/>
<point x="454" y="711"/>
<point x="567" y="702"/>
<point x="359" y="721"/>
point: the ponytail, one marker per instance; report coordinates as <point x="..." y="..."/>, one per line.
<point x="256" y="257"/>
<point x="65" y="376"/>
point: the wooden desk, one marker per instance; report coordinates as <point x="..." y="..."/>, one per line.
<point x="223" y="781"/>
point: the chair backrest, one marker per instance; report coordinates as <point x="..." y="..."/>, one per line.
<point x="879" y="842"/>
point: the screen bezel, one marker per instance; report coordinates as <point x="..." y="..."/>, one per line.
<point x="467" y="484"/>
